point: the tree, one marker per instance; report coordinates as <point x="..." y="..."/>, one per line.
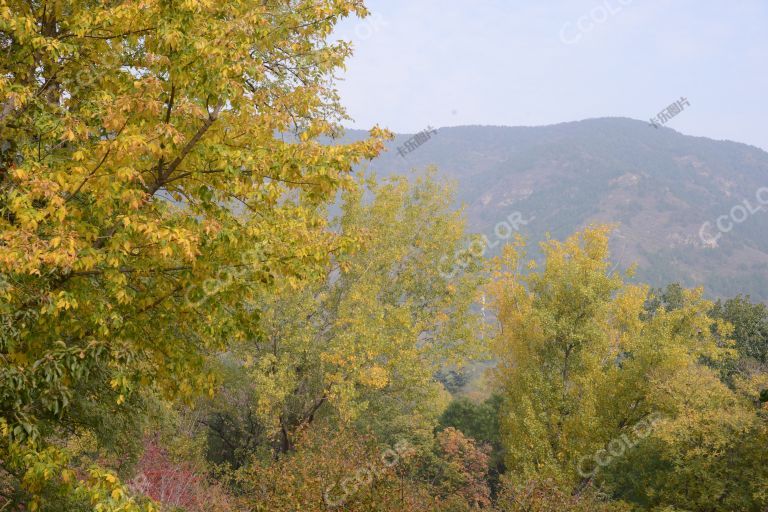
<point x="583" y="367"/>
<point x="464" y="469"/>
<point x="334" y="470"/>
<point x="142" y="167"/>
<point x="176" y="484"/>
<point x="669" y="298"/>
<point x="548" y="496"/>
<point x="361" y="343"/>
<point x="750" y="326"/>
<point x="479" y="421"/>
<point x="707" y="452"/>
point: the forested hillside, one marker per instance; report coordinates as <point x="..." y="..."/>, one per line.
<point x="664" y="190"/>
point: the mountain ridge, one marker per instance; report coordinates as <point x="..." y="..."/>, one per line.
<point x="660" y="186"/>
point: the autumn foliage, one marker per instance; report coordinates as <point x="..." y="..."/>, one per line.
<point x="204" y="308"/>
<point x="177" y="484"/>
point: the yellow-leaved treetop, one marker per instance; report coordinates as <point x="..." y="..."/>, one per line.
<point x="593" y="380"/>
<point x="145" y="146"/>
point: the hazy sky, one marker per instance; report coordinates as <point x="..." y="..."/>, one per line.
<point x="513" y="62"/>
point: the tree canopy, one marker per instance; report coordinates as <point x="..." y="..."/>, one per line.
<point x="598" y="392"/>
<point x="149" y="146"/>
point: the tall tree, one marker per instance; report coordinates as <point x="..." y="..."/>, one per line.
<point x="750" y="326"/>
<point x="583" y="368"/>
<point x="363" y="342"/>
<point x="141" y="156"/>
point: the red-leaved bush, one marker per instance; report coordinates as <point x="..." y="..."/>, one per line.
<point x="176" y="484"/>
<point x="465" y="467"/>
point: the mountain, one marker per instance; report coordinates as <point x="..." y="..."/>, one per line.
<point x="659" y="186"/>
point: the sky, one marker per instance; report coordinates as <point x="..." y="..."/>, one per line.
<point x="529" y="63"/>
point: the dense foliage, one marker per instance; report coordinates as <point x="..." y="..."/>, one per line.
<point x="142" y="159"/>
<point x="605" y="388"/>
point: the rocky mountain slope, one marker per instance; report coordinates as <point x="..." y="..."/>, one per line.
<point x="688" y="209"/>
